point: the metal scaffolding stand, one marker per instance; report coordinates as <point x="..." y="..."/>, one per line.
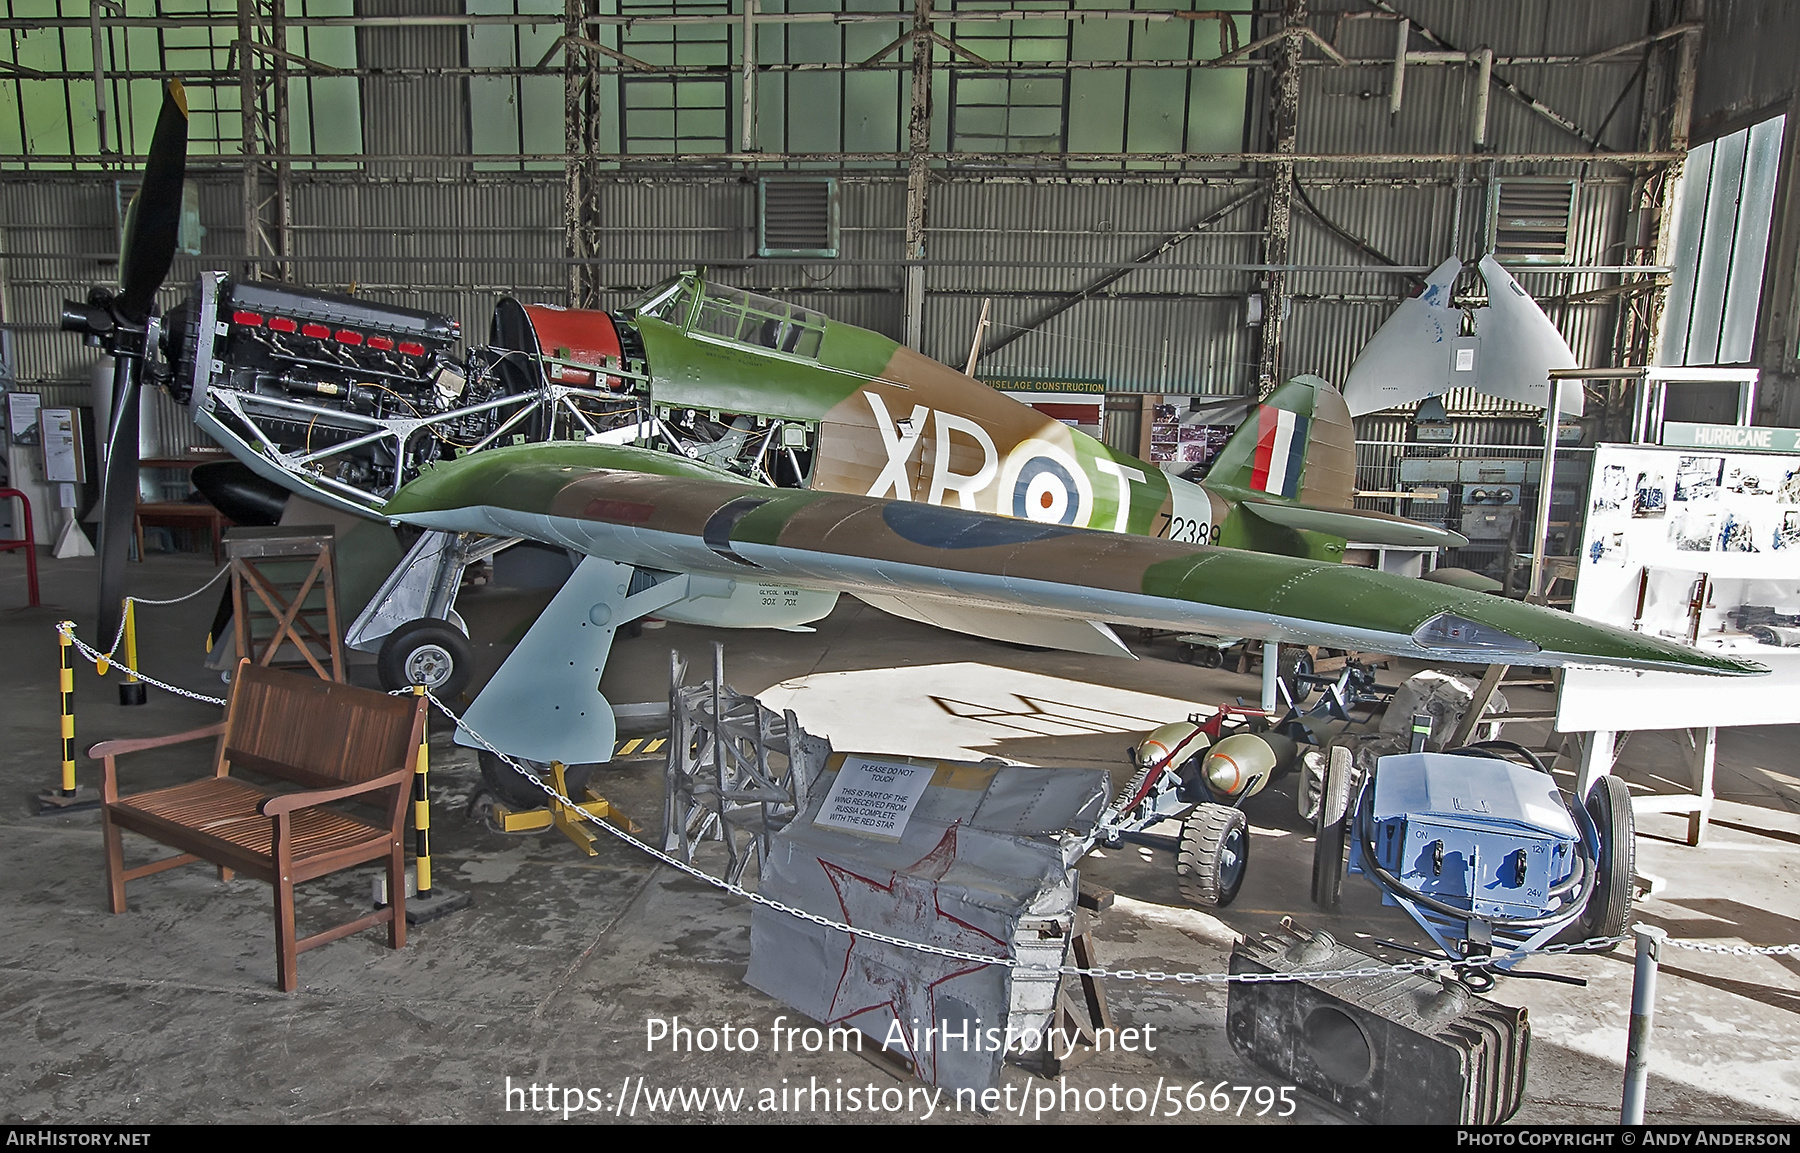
<point x="738" y="773"/>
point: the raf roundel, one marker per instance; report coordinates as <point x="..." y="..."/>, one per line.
<point x="1041" y="482"/>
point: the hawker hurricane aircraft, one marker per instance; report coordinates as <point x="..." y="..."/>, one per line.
<point x="723" y="458"/>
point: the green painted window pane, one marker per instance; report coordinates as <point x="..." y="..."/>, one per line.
<point x="337" y="116"/>
<point x="1099" y="40"/>
<point x="78" y="50"/>
<point x="700" y="94"/>
<point x="46" y="117"/>
<point x="491" y="46"/>
<point x="493" y="115"/>
<point x="872" y="112"/>
<point x="818" y="44"/>
<point x="1045" y="123"/>
<point x="986" y="90"/>
<point x="1158" y="108"/>
<point x="813" y="112"/>
<point x="653" y="124"/>
<point x="541" y="112"/>
<point x="1096" y="111"/>
<point x="12" y="143"/>
<point x="1216" y="109"/>
<point x="40" y="49"/>
<point x="1161" y="40"/>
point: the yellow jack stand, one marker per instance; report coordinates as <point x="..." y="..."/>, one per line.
<point x="562" y="816"/>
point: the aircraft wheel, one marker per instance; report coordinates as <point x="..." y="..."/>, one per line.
<point x="426" y="652"/>
<point x="1331" y="826"/>
<point x="1291" y="664"/>
<point x="1609" y="907"/>
<point x="515" y="792"/>
<point x="1214" y="852"/>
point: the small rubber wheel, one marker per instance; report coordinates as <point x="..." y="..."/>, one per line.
<point x="1609" y="907"/>
<point x="517" y="793"/>
<point x="1330" y="826"/>
<point x="426" y="652"/>
<point x="1185" y="654"/>
<point x="1291" y="664"/>
<point x="1214" y="852"/>
<point x="1209" y="658"/>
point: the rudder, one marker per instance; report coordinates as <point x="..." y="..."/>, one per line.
<point x="1297" y="446"/>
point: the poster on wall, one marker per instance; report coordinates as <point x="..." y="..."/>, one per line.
<point x="1185" y="435"/>
<point x="1700" y="547"/>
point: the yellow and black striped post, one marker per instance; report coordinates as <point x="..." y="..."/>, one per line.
<point x="426" y="903"/>
<point x="66" y="686"/>
<point x="132" y="692"/>
<point x="422" y="808"/>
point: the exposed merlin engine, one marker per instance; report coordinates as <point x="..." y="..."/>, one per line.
<point x="357" y="397"/>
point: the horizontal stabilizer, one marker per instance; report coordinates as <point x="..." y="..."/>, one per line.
<point x="1076" y="636"/>
<point x="1363" y="526"/>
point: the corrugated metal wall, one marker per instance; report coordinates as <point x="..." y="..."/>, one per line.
<point x="450" y="240"/>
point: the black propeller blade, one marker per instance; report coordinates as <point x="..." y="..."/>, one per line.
<point x="155" y="218"/>
<point x="121" y="325"/>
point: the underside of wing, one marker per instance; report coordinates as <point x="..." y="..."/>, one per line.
<point x="595" y="499"/>
<point x="1009" y="625"/>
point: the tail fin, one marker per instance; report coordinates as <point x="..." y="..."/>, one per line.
<point x="1298" y="446"/>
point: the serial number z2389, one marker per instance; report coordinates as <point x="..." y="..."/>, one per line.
<point x="1189" y="530"/>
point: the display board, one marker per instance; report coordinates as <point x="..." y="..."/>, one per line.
<point x="1078" y="402"/>
<point x="1697" y="546"/>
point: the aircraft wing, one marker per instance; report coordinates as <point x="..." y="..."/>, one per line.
<point x="659" y="512"/>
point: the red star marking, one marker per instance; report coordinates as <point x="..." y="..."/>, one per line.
<point x="902" y="984"/>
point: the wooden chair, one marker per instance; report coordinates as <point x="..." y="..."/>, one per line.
<point x="337" y="742"/>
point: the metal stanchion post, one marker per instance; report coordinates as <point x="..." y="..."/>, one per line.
<point x="66" y="690"/>
<point x="427" y="903"/>
<point x="132" y="692"/>
<point x="68" y="797"/>
<point x="1643" y="1009"/>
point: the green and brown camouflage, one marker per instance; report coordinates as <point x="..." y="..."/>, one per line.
<point x="887" y="421"/>
<point x="657" y="512"/>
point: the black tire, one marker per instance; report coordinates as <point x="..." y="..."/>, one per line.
<point x="1209" y="658"/>
<point x="1291" y="664"/>
<point x="1608" y="911"/>
<point x="1330" y="835"/>
<point x="429" y="652"/>
<point x="1185" y="653"/>
<point x="1214" y="855"/>
<point x="515" y="792"/>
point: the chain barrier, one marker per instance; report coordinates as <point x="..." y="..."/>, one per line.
<point x="1436" y="966"/>
<point x="1428" y="967"/>
<point x="120" y="635"/>
<point x="95" y="656"/>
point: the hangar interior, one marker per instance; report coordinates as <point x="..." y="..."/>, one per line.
<point x="1157" y="210"/>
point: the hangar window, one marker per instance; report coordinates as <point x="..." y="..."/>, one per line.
<point x="511" y="114"/>
<point x="1721" y="238"/>
<point x="1013" y="110"/>
<point x="51" y="122"/>
<point x="1160" y="107"/>
<point x="678" y="114"/>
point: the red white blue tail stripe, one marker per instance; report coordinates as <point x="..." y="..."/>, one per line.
<point x="1280" y="451"/>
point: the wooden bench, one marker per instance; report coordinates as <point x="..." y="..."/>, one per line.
<point x="336" y="742"/>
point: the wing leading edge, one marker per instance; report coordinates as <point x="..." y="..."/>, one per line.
<point x="646" y="509"/>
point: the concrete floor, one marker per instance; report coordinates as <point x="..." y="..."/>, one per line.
<point x="169" y="1013"/>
